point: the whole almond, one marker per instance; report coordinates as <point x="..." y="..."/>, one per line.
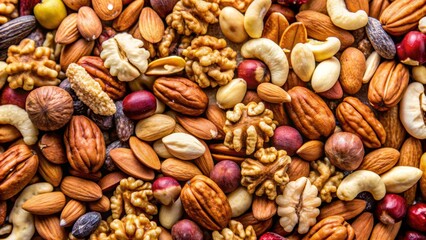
<point x="127" y="162"/>
<point x="198" y="126"/>
<point x="380" y="160"/>
<point x="155" y="127"/>
<point x="385" y="231"/>
<point x="88" y="23"/>
<point x="346" y="209"/>
<point x="151" y="26"/>
<point x="73" y="52"/>
<point x="48" y="227"/>
<point x="311" y="150"/>
<point x="411" y="152"/>
<point x="298" y="168"/>
<point x="272" y="93"/>
<point x="183" y="146"/>
<point x="129" y="16"/>
<point x="45" y="203"/>
<point x="71" y="212"/>
<point x="352" y="70"/>
<point x="50" y="172"/>
<point x="217" y="116"/>
<point x="67" y="31"/>
<point x="355" y="5"/>
<point x="107" y="9"/>
<point x="363" y="225"/>
<point x="263" y="208"/>
<point x="81" y="189"/>
<point x="144" y="153"/>
<point x="76" y="4"/>
<point x="180" y="170"/>
<point x="395" y="131"/>
<point x="52" y="147"/>
<point x="102" y="205"/>
<point x="111" y="180"/>
<point x="205" y="162"/>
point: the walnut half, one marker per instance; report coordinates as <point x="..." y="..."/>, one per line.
<point x="325" y="177"/>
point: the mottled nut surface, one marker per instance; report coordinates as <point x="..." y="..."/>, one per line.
<point x="86" y="224"/>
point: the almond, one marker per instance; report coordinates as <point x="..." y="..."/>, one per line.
<point x="88" y="23"/>
<point x="151" y="26"/>
<point x="363" y="225"/>
<point x="67" y="31"/>
<point x="49" y="229"/>
<point x="127" y="162"/>
<point x="50" y="172"/>
<point x="144" y="153"/>
<point x="411" y="152"/>
<point x="293" y="34"/>
<point x="346" y="209"/>
<point x="102" y="205"/>
<point x="272" y="93"/>
<point x="395" y="131"/>
<point x="311" y="150"/>
<point x="71" y="212"/>
<point x="263" y="208"/>
<point x="298" y="168"/>
<point x="81" y="189"/>
<point x="217" y="116"/>
<point x="382" y="231"/>
<point x="355" y="5"/>
<point x="107" y="9"/>
<point x="111" y="180"/>
<point x="8" y="133"/>
<point x="45" y="203"/>
<point x="180" y="170"/>
<point x="73" y="52"/>
<point x="129" y="16"/>
<point x="155" y="127"/>
<point x="198" y="126"/>
<point x="183" y="146"/>
<point x="380" y="160"/>
<point x="205" y="162"/>
<point x="275" y="26"/>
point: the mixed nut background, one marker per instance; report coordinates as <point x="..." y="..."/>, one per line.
<point x="212" y="119"/>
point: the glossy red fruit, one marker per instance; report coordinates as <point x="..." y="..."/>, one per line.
<point x="139" y="105"/>
<point x="391" y="209"/>
<point x="416" y="216"/>
<point x="271" y="236"/>
<point x="17" y="96"/>
<point x="254" y="72"/>
<point x="166" y="190"/>
<point x="412" y="49"/>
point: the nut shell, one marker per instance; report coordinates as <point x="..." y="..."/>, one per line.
<point x="49" y="107"/>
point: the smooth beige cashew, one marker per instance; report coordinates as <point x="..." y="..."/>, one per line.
<point x="271" y="54"/>
<point x="372" y="63"/>
<point x="412" y="107"/>
<point x="419" y="74"/>
<point x="169" y="215"/>
<point x="399" y="179"/>
<point x="323" y="50"/>
<point x="253" y="20"/>
<point x="343" y="18"/>
<point x="229" y="95"/>
<point x="18" y="117"/>
<point x="422" y="25"/>
<point x="361" y="181"/>
<point x="23" y="221"/>
<point x="302" y="61"/>
<point x="326" y="74"/>
<point x="231" y="22"/>
<point x="240" y="201"/>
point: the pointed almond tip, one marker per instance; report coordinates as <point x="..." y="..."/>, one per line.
<point x="62" y="223"/>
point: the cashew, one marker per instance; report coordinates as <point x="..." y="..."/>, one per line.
<point x="23" y="221"/>
<point x="422" y="25"/>
<point x="372" y="64"/>
<point x="360" y="181"/>
<point x="302" y="61"/>
<point x="240" y="201"/>
<point x="169" y="215"/>
<point x="412" y="107"/>
<point x="18" y="117"/>
<point x="271" y="54"/>
<point x="343" y="18"/>
<point x="324" y="50"/>
<point x="229" y="95"/>
<point x="326" y="75"/>
<point x="231" y="22"/>
<point x="419" y="74"/>
<point x="253" y="20"/>
<point x="399" y="179"/>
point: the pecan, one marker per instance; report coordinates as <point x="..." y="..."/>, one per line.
<point x="109" y="84"/>
<point x="334" y="227"/>
<point x="357" y="118"/>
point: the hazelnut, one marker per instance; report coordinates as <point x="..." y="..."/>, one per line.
<point x="166" y="190"/>
<point x="49" y="107"/>
<point x="227" y="175"/>
<point x="345" y="150"/>
<point x="254" y="72"/>
<point x="287" y="138"/>
<point x="186" y="230"/>
<point x="163" y="7"/>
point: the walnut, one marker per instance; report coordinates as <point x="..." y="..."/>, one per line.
<point x="298" y="205"/>
<point x="264" y="175"/>
<point x="30" y="67"/>
<point x="248" y="126"/>
<point x="133" y="196"/>
<point x="240" y="5"/>
<point x="209" y="62"/>
<point x="172" y="43"/>
<point x="325" y="177"/>
<point x="49" y="42"/>
<point x="130" y="227"/>
<point x="193" y="16"/>
<point x="8" y="10"/>
<point x="235" y="232"/>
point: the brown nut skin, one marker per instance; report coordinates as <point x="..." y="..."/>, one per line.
<point x="334" y="227"/>
<point x="186" y="229"/>
<point x="344" y="150"/>
<point x="287" y="138"/>
<point x="227" y="175"/>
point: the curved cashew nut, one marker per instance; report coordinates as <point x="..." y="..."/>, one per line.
<point x="326" y="74"/>
<point x="271" y="54"/>
<point x="360" y="181"/>
<point x="343" y="18"/>
<point x="399" y="179"/>
<point x="253" y="20"/>
<point x="324" y="50"/>
<point x="18" y="117"/>
<point x="23" y="221"/>
<point x="412" y="106"/>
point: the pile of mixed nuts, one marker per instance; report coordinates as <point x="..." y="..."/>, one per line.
<point x="212" y="119"/>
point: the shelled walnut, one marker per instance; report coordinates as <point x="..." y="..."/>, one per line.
<point x="133" y="197"/>
<point x="209" y="62"/>
<point x="235" y="231"/>
<point x="267" y="173"/>
<point x="193" y="16"/>
<point x="241" y="5"/>
<point x="129" y="227"/>
<point x="248" y="126"/>
<point x="30" y="67"/>
<point x="8" y="10"/>
<point x="298" y="205"/>
<point x="325" y="177"/>
<point x="172" y="43"/>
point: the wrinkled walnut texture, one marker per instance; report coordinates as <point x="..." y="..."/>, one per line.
<point x="8" y="10"/>
<point x="235" y="231"/>
<point x="325" y="177"/>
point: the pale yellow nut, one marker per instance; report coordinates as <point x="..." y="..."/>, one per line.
<point x="231" y="22"/>
<point x="165" y="66"/>
<point x="253" y="20"/>
<point x="343" y="18"/>
<point x="422" y="25"/>
<point x="419" y="74"/>
<point x="229" y="95"/>
<point x="323" y="50"/>
<point x="303" y="61"/>
<point x="183" y="146"/>
<point x="326" y="75"/>
<point x="372" y="63"/>
<point x="399" y="179"/>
